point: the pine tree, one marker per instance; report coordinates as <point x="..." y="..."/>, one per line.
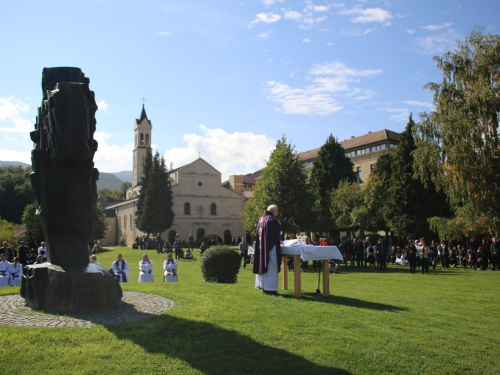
<point x="154" y="207"/>
<point x="101" y="225"/>
<point x="283" y="182"/>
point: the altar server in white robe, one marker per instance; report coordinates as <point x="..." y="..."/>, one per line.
<point x="15" y="272"/>
<point x="145" y="270"/>
<point x="170" y="267"/>
<point x="4" y="270"/>
<point x="120" y="268"/>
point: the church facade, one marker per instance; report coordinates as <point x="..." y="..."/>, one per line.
<point x="201" y="204"/>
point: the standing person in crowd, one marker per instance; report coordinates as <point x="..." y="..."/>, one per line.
<point x="485" y="252"/>
<point x="495" y="254"/>
<point x="146" y="270"/>
<point x="42" y="250"/>
<point x="423" y="255"/>
<point x="23" y="253"/>
<point x="381" y="255"/>
<point x="433" y="258"/>
<point x="243" y="253"/>
<point x="9" y="253"/>
<point x="203" y="247"/>
<point x="411" y="251"/>
<point x="191" y="242"/>
<point x="15" y="272"/>
<point x="370" y="251"/>
<point x="267" y="255"/>
<point x="159" y="243"/>
<point x="120" y="268"/>
<point x="178" y="250"/>
<point x="443" y="254"/>
<point x="91" y="246"/>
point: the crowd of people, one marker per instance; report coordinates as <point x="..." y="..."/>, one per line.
<point x="420" y="253"/>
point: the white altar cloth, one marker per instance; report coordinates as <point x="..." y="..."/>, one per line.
<point x="313" y="252"/>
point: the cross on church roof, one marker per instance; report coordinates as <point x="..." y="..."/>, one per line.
<point x="143" y="100"/>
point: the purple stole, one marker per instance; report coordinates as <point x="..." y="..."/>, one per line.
<point x="121" y="267"/>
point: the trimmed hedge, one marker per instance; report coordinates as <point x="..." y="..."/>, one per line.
<point x="221" y="263"/>
<point x="207" y="238"/>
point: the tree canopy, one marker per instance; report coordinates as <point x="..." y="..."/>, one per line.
<point x="15" y="192"/>
<point x="330" y="168"/>
<point x="284" y="182"/>
<point x="154" y="212"/>
<point x="458" y="143"/>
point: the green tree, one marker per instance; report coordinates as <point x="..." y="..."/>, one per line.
<point x="34" y="235"/>
<point x="348" y="206"/>
<point x="154" y="207"/>
<point x="284" y="182"/>
<point x="15" y="192"/>
<point x="102" y="224"/>
<point x="6" y="231"/>
<point x="458" y="143"/>
<point x="330" y="168"/>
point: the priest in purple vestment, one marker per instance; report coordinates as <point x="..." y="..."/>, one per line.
<point x="267" y="255"/>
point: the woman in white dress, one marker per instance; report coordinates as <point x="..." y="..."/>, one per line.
<point x="170" y="267"/>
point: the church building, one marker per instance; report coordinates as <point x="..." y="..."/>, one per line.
<point x="201" y="204"/>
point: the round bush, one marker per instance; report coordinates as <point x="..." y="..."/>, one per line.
<point x="221" y="263"/>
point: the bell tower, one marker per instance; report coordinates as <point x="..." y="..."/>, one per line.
<point x="142" y="142"/>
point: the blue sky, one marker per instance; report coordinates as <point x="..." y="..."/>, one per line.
<point x="226" y="79"/>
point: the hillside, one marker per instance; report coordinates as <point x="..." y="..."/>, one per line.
<point x="125" y="176"/>
<point x="14" y="163"/>
<point x="108" y="181"/>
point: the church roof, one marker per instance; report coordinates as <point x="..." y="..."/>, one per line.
<point x="143" y="116"/>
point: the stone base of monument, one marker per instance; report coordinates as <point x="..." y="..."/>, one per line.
<point x="59" y="289"/>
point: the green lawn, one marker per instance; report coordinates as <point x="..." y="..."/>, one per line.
<point x="392" y="322"/>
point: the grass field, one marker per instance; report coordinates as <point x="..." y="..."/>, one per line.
<point x="374" y="323"/>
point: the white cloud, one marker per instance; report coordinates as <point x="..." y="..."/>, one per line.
<point x="410" y="31"/>
<point x="360" y="15"/>
<point x="112" y="158"/>
<point x="270" y="2"/>
<point x="340" y="69"/>
<point x="331" y="82"/>
<point x="266" y="18"/>
<point x="229" y="153"/>
<point x="13" y="155"/>
<point x="329" y="44"/>
<point x="435" y="44"/>
<point x="306" y="40"/>
<point x="163" y="33"/>
<point x="292" y="15"/>
<point x="416" y="103"/>
<point x="11" y="111"/>
<point x="437" y="27"/>
<point x="401" y="114"/>
<point x="265" y="34"/>
<point x="101" y="104"/>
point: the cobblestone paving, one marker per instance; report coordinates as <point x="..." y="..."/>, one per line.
<point x="133" y="306"/>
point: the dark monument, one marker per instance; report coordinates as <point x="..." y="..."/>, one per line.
<point x="64" y="180"/>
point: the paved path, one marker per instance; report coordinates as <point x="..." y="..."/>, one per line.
<point x="133" y="306"/>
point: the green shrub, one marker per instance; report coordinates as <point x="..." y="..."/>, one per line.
<point x="122" y="241"/>
<point x="207" y="238"/>
<point x="221" y="263"/>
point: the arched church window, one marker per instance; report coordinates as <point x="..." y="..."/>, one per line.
<point x="213" y="209"/>
<point x="147" y="139"/>
<point x="142" y="139"/>
<point x="187" y="208"/>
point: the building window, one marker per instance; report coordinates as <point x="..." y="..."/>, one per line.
<point x="147" y="139"/>
<point x="372" y="168"/>
<point x="187" y="209"/>
<point x="124" y="222"/>
<point x="213" y="209"/>
<point x="358" y="170"/>
<point x="142" y="139"/>
<point x="130" y="221"/>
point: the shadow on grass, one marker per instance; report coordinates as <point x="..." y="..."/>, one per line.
<point x="214" y="350"/>
<point x="347" y="301"/>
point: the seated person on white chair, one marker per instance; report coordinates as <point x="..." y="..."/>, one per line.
<point x="189" y="254"/>
<point x="120" y="268"/>
<point x="170" y="267"/>
<point x="93" y="260"/>
<point x="4" y="270"/>
<point x="145" y="270"/>
<point x="15" y="272"/>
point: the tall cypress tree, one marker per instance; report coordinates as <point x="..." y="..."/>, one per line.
<point x="330" y="168"/>
<point x="154" y="212"/>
